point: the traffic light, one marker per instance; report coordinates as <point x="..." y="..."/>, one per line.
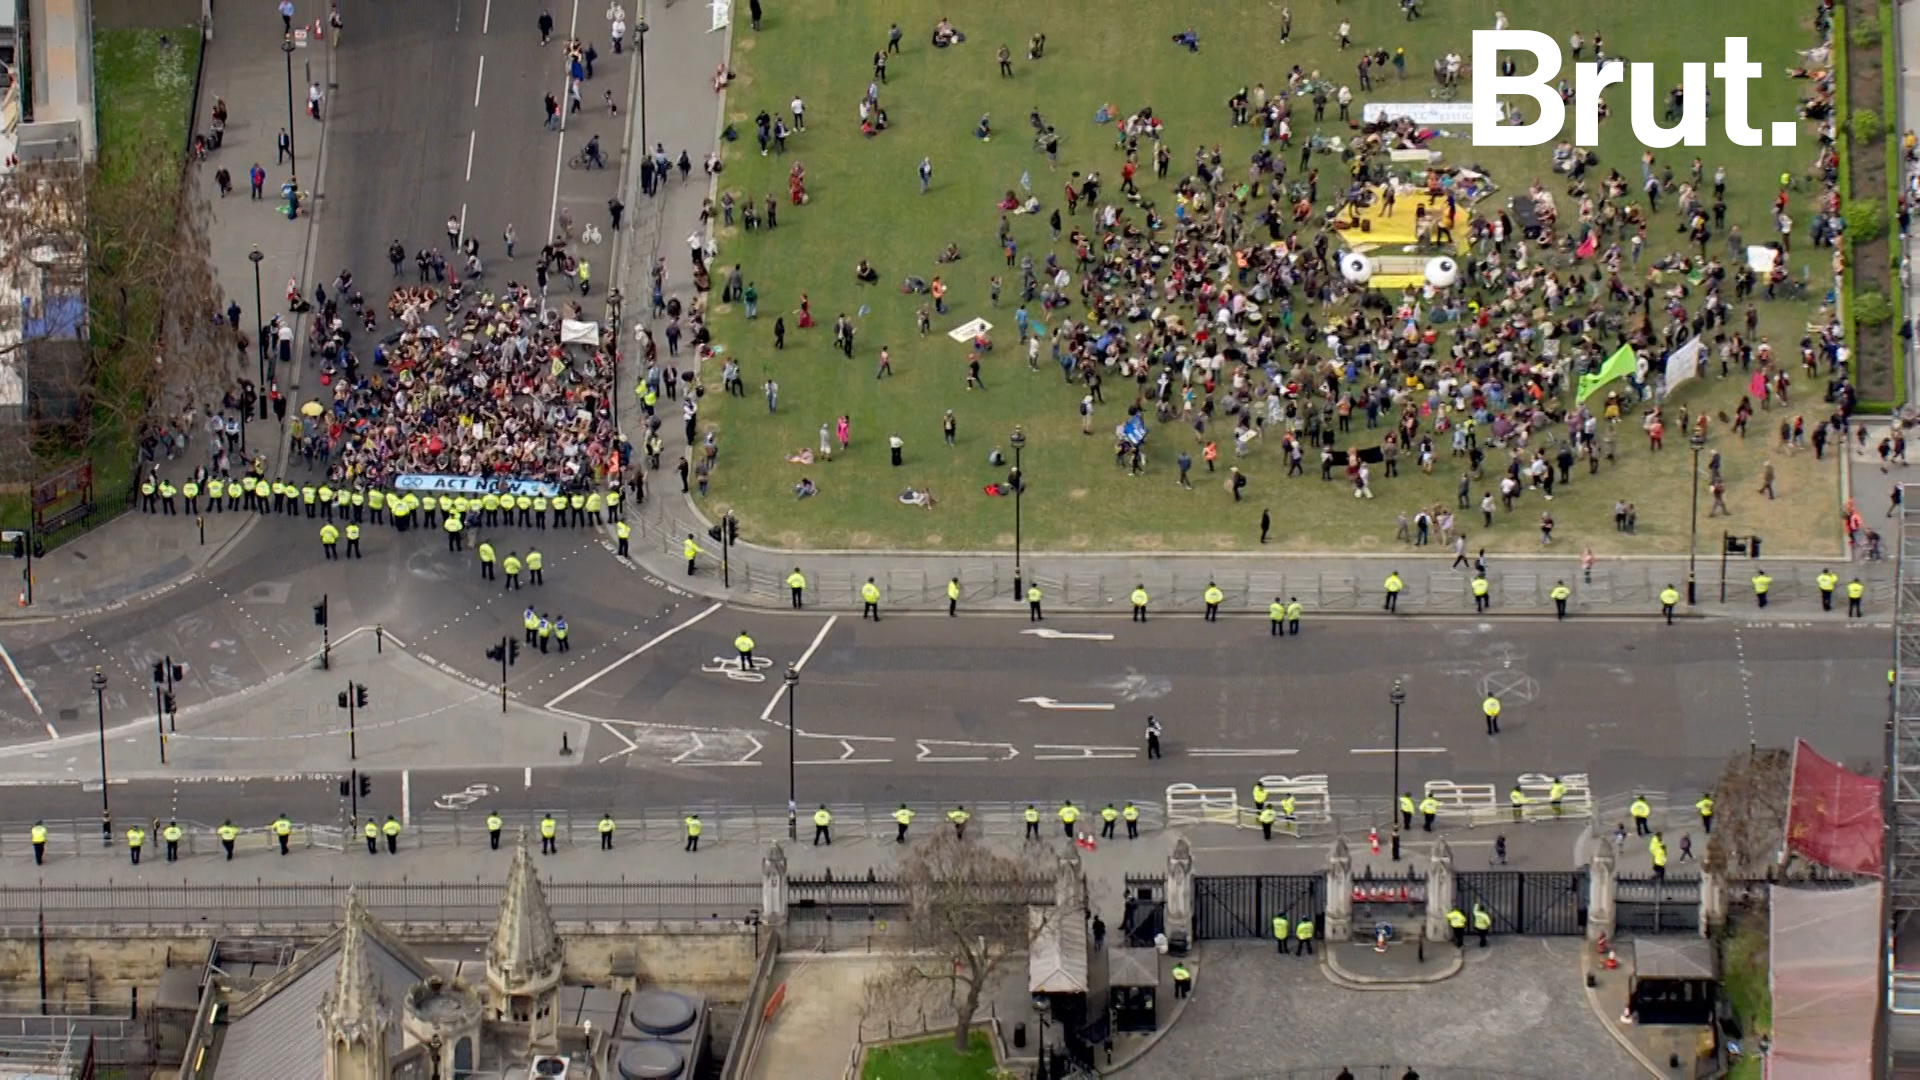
<point x="342" y="699"/>
<point x="498" y="653"/>
<point x="360" y="695"/>
<point x="366" y="785"/>
<point x="168" y="697"/>
<point x="159" y="672"/>
<point x="320" y="612"/>
<point x="179" y="673"/>
<point x="513" y="650"/>
<point x="19" y="545"/>
<point x="733" y="529"/>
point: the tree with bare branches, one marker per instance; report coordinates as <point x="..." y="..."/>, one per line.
<point x="969" y="914"/>
<point x="126" y="241"/>
<point x="1750" y="814"/>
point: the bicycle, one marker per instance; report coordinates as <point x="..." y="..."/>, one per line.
<point x="581" y="161"/>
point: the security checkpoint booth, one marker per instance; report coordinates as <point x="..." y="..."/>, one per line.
<point x="1673" y="981"/>
<point x="1133" y="988"/>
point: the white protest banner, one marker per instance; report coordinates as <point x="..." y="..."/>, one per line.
<point x="1684" y="364"/>
<point x="1426" y="113"/>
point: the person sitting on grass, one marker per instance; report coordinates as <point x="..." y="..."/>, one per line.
<point x="804" y="489"/>
<point x="802" y="456"/>
<point x="945" y="34"/>
<point x="984" y="129"/>
<point x="911" y="284"/>
<point x="950" y="254"/>
<point x="865" y="273"/>
<point x="1188" y="38"/>
<point x="922" y="499"/>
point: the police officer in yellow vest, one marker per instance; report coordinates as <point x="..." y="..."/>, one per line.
<point x="167" y="492"/>
<point x="1826" y="580"/>
<point x="147" y="490"/>
<point x="692" y="823"/>
<point x="486" y="561"/>
<point x="372" y="832"/>
<point x="546" y="631"/>
<point x="392" y="831"/>
<point x="1761" y="583"/>
<point x="1482" y="922"/>
<point x="1641" y="813"/>
<point x="1855" y="593"/>
<point x="1669" y="596"/>
<point x="136" y="838"/>
<point x="796" y="584"/>
<point x="1281" y="932"/>
<point x="957" y="817"/>
<point x="1266" y="818"/>
<point x="540" y="511"/>
<point x="1294" y="609"/>
<point x="560" y="632"/>
<point x="39" y="837"/>
<point x="512" y="567"/>
<point x="190" y="491"/>
<point x="1033" y="604"/>
<point x="1139" y="599"/>
<point x="216" y="490"/>
<point x="171" y="834"/>
<point x="606" y="831"/>
<point x="330" y="540"/>
<point x="377" y="506"/>
<point x="1069" y="815"/>
<point x="455" y="540"/>
<point x="493" y="829"/>
<point x="1213" y="596"/>
<point x="534" y="563"/>
<point x="902" y="818"/>
<point x="1276" y="618"/>
<point x="870" y="600"/>
<point x="690" y="551"/>
<point x="1131" y="815"/>
<point x="1560" y="594"/>
<point x="1303" y="936"/>
<point x="1556" y="791"/>
<point x="622" y="532"/>
<point x="1406" y="811"/>
<point x="353" y="540"/>
<point x="1705" y="806"/>
<point x="1393" y="586"/>
<point x="530" y="621"/>
<point x="1518" y="800"/>
<point x="1491" y="707"/>
<point x="1657" y="847"/>
<point x="744" y="646"/>
<point x="490" y="509"/>
<point x="1108" y="817"/>
<point x="1259" y="794"/>
<point x="1429" y="810"/>
<point x="614" y="513"/>
<point x="594" y="504"/>
<point x="308" y="499"/>
<point x="282" y="831"/>
<point x="549" y="845"/>
<point x="953" y="597"/>
<point x="822" y="826"/>
<point x="228" y="834"/>
<point x="1457" y="922"/>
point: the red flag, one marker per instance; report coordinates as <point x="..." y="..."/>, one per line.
<point x="1834" y="816"/>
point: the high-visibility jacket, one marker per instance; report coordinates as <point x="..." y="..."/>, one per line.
<point x="689" y="550"/>
<point x="1640" y="809"/>
<point x="1517" y="797"/>
<point x="1760" y="584"/>
<point x="329" y="535"/>
<point x="1406" y="804"/>
<point x="1660" y="856"/>
<point x="533" y="560"/>
<point x="1280" y="927"/>
<point x="494" y="823"/>
<point x="1277" y="611"/>
<point x="1213" y="595"/>
<point x="373" y="829"/>
<point x="1481" y="920"/>
<point x="1294" y="608"/>
<point x="953" y="589"/>
<point x="228" y="833"/>
<point x="511" y="565"/>
<point x="1108" y="813"/>
<point x="1069" y="813"/>
<point x="1491" y="706"/>
<point x="693" y="826"/>
<point x="1130" y="812"/>
<point x="490" y="501"/>
<point x="1393" y="583"/>
<point x="1826" y="581"/>
<point x="1286" y="806"/>
<point x="1457" y="919"/>
<point x="1139" y="598"/>
<point x="622" y="531"/>
<point x="1669" y="597"/>
<point x="391" y="828"/>
<point x="903" y="816"/>
<point x="171" y="834"/>
<point x="743" y="643"/>
<point x="39" y="834"/>
<point x="958" y="815"/>
<point x="1033" y="594"/>
<point x="1560" y="592"/>
<point x="1259" y="793"/>
<point x="606" y="824"/>
<point x="1030" y="815"/>
<point x="1479" y="586"/>
<point x="530" y="621"/>
<point x="1428" y="805"/>
<point x="282" y="827"/>
<point x="546" y="828"/>
<point x="1705" y="806"/>
<point x="1855" y="590"/>
<point x="1556" y="792"/>
<point x="794" y="580"/>
<point x="1303" y="930"/>
<point x="593" y="503"/>
<point x="1266" y="815"/>
<point x="136" y="836"/>
<point x="870" y="593"/>
<point x="822" y="818"/>
<point x="453" y="524"/>
<point x="486" y="553"/>
<point x="216" y="489"/>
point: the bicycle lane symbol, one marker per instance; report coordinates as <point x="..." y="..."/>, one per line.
<point x="464" y="800"/>
<point x="732" y="668"/>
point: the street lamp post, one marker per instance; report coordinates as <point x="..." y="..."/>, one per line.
<point x="259" y="327"/>
<point x="293" y="163"/>
<point x="1698" y="441"/>
<point x="1398" y="696"/>
<point x="614" y="297"/>
<point x="793" y="799"/>
<point x="640" y="46"/>
<point x="1017" y="440"/>
<point x="100" y="703"/>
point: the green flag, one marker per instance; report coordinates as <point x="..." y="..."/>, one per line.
<point x="1619" y="364"/>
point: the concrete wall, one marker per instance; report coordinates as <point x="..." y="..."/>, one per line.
<point x="162" y="14"/>
<point x="717" y="962"/>
<point x="105" y="968"/>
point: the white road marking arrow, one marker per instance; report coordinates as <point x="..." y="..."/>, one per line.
<point x="1066" y="635"/>
<point x="847" y="750"/>
<point x="1067" y="706"/>
<point x="1223" y="752"/>
<point x="1082" y="753"/>
<point x="948" y="750"/>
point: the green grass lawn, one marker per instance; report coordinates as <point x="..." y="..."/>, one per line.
<point x="930" y="1059"/>
<point x="865" y="203"/>
<point x="1743" y="959"/>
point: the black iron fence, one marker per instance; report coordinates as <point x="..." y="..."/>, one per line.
<point x="1243" y="906"/>
<point x="1656" y="905"/>
<point x="1545" y="902"/>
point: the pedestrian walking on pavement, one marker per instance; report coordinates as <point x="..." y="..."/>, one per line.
<point x="1153" y="738"/>
<point x="372" y="833"/>
<point x="902" y="818"/>
<point x="546" y="26"/>
<point x="392" y="831"/>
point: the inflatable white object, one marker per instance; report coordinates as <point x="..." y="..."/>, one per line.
<point x="1356" y="268"/>
<point x="1442" y="272"/>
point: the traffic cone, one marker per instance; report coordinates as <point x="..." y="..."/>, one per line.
<point x="1611" y="963"/>
<point x="1373" y="840"/>
<point x="1602" y="945"/>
